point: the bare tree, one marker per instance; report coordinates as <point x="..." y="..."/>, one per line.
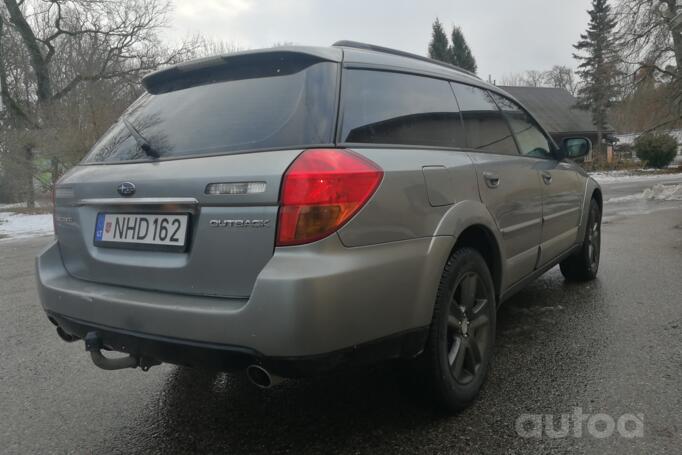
<point x="122" y="38"/>
<point x="562" y="77"/>
<point x="513" y="80"/>
<point x="55" y="51"/>
<point x="534" y="78"/>
<point x="530" y="78"/>
<point x="205" y="47"/>
<point x="650" y="36"/>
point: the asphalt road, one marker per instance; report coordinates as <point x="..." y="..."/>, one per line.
<point x="613" y="346"/>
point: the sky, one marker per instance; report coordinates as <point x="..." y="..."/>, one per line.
<point x="506" y="36"/>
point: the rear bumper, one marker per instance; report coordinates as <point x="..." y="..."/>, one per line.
<point x="320" y="304"/>
<point x="227" y="358"/>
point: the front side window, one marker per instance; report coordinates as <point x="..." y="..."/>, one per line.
<point x="381" y="107"/>
<point x="532" y="142"/>
<point x="485" y="126"/>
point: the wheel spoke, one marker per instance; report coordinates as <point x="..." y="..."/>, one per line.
<point x="453" y="322"/>
<point x="455" y="350"/>
<point x="468" y="290"/>
<point x="594" y="243"/>
<point x="475" y="352"/>
<point x="479" y="321"/>
<point x="458" y="360"/>
<point x="478" y="308"/>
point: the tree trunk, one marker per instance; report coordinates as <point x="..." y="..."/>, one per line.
<point x="36" y="57"/>
<point x="677" y="48"/>
<point x="54" y="170"/>
<point x="30" y="190"/>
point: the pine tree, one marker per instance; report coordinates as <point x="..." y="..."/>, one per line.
<point x="460" y="53"/>
<point x="439" y="48"/>
<point x="598" y="69"/>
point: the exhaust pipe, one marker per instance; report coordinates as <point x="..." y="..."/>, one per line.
<point x="261" y="377"/>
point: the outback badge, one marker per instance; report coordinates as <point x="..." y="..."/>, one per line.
<point x="240" y="223"/>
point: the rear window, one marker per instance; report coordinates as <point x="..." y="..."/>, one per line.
<point x="277" y="106"/>
<point x="381" y="107"/>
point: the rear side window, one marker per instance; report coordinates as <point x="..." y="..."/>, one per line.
<point x="276" y="104"/>
<point x="381" y="107"/>
<point x="485" y="126"/>
<point x="531" y="140"/>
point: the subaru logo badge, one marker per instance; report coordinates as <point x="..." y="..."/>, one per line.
<point x="126" y="189"/>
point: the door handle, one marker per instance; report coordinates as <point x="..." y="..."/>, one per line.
<point x="492" y="180"/>
<point x="547" y="178"/>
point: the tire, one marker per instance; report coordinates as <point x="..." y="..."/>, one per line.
<point x="584" y="265"/>
<point x="459" y="348"/>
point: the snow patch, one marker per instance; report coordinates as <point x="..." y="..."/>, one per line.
<point x="628" y="176"/>
<point x="17" y="225"/>
<point x="657" y="193"/>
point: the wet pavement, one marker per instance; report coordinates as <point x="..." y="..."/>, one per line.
<point x="613" y="346"/>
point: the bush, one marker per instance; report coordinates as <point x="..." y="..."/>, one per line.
<point x="657" y="149"/>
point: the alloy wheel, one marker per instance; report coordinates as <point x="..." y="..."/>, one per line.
<point x="469" y="329"/>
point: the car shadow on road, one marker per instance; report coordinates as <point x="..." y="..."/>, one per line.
<point x="225" y="410"/>
<point x="378" y="407"/>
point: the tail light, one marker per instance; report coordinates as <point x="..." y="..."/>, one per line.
<point x="321" y="191"/>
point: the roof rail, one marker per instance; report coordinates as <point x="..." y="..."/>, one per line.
<point x="388" y="50"/>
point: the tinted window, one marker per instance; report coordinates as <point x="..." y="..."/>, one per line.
<point x="531" y="140"/>
<point x="392" y="108"/>
<point x="277" y="106"/>
<point x="485" y="126"/>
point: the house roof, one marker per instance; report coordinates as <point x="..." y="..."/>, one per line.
<point x="555" y="109"/>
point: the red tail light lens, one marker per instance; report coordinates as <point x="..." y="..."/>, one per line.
<point x="321" y="191"/>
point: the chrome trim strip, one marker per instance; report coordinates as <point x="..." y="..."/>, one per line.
<point x="138" y="201"/>
<point x="560" y="214"/>
<point x="518" y="227"/>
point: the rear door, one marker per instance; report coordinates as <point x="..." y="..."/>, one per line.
<point x="509" y="183"/>
<point x="225" y="135"/>
<point x="562" y="186"/>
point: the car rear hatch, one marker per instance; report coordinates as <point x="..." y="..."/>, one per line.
<point x="225" y="129"/>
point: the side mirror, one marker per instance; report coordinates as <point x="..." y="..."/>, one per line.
<point x="576" y="147"/>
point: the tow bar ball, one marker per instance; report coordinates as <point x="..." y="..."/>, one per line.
<point x="93" y="345"/>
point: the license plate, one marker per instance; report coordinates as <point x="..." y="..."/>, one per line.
<point x="142" y="231"/>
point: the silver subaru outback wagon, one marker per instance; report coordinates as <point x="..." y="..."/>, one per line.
<point x="291" y="210"/>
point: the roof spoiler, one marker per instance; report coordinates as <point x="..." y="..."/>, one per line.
<point x="239" y="62"/>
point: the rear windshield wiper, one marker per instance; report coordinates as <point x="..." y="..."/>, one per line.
<point x="141" y="141"/>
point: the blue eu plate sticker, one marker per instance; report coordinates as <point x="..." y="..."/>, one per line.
<point x="99" y="228"/>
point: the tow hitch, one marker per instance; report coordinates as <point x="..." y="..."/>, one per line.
<point x="93" y="345"/>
